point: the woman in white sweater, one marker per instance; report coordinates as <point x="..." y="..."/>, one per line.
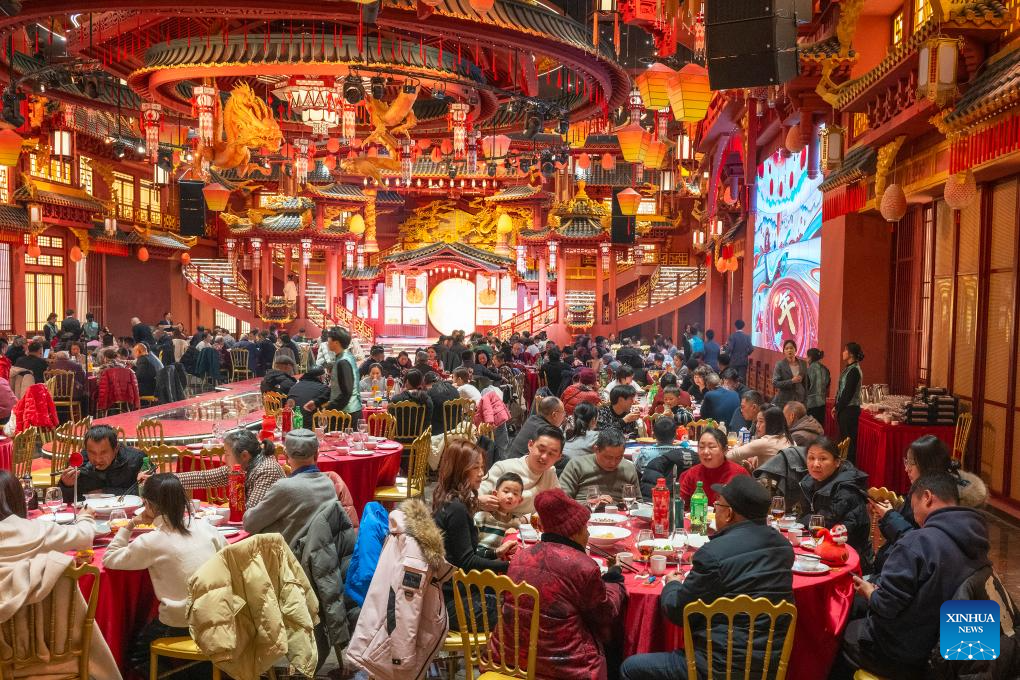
<point x="22" y="538"/>
<point x="172" y="552"/>
<point x="773" y="435"/>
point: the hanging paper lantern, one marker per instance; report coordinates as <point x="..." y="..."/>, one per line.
<point x="629" y="201"/>
<point x="349" y="121"/>
<point x="185" y="258"/>
<point x="689" y="94"/>
<point x="333" y="144"/>
<point x="482" y="6"/>
<point x="655" y="155"/>
<point x="654" y="85"/>
<point x="216" y="196"/>
<point x="634" y="141"/>
<point x="794" y="140"/>
<point x="34" y="250"/>
<point x="436" y="155"/>
<point x="583" y="161"/>
<point x="406" y="162"/>
<point x="301" y="148"/>
<point x="149" y="121"/>
<point x="960" y="190"/>
<point x="74" y="254"/>
<point x="329" y="162"/>
<point x="10" y="147"/>
<point x="69" y="112"/>
<point x="505" y="224"/>
<point x="143" y="254"/>
<point x="458" y="123"/>
<point x="204" y="105"/>
<point x="608" y="161"/>
<point x="495" y="146"/>
<point x="894" y="203"/>
<point x="446" y="146"/>
<point x="356" y="224"/>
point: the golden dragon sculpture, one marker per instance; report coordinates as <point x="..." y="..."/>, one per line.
<point x="388" y="121"/>
<point x="244" y="123"/>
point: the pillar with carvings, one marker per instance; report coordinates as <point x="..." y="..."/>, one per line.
<point x="371" y="245"/>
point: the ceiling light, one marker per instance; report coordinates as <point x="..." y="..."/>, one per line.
<point x="354" y="91"/>
<point x="378" y="87"/>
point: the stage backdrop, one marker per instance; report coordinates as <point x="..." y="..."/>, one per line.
<point x="787" y="251"/>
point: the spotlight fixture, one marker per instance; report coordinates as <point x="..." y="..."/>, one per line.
<point x="140" y="149"/>
<point x="354" y="91"/>
<point x="439" y="94"/>
<point x="532" y="124"/>
<point x="410" y="86"/>
<point x="525" y="164"/>
<point x="564" y="125"/>
<point x="378" y="87"/>
<point x="118" y="149"/>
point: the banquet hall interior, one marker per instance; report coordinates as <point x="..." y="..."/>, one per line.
<point x="556" y="339"/>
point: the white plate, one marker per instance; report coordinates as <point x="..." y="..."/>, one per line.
<point x="361" y="453"/>
<point x="642" y="512"/>
<point x="808" y="543"/>
<point x="607" y="518"/>
<point x="62" y="517"/>
<point x="798" y="525"/>
<point x="660" y="546"/>
<point x="105" y="506"/>
<point x="696" y="540"/>
<point x="605" y="536"/>
<point x="822" y="569"/>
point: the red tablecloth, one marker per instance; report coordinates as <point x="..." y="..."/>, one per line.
<point x="823" y="607"/>
<point x="362" y="474"/>
<point x="831" y="426"/>
<point x="6" y="453"/>
<point x="531" y="384"/>
<point x="367" y="411"/>
<point x="881" y="448"/>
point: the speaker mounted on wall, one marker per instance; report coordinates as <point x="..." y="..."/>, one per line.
<point x="192" y="207"/>
<point x="751" y="43"/>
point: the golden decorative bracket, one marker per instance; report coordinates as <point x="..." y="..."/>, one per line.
<point x="886" y="157"/>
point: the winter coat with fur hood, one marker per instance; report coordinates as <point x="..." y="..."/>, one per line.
<point x="403" y="620"/>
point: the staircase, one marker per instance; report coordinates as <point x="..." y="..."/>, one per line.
<point x="668" y="289"/>
<point x="672" y="281"/>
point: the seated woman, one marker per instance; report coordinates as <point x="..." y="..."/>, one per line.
<point x="21" y="538"/>
<point x="374" y="378"/>
<point x="581" y="436"/>
<point x="257" y="460"/>
<point x="927" y="455"/>
<point x="836" y="490"/>
<point x="172" y="552"/>
<point x="773" y="435"/>
<point x="578" y="606"/>
<point x="454" y="502"/>
<point x="713" y="468"/>
<point x="665" y="459"/>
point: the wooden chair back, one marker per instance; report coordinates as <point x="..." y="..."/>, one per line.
<point x="844" y="448"/>
<point x="239" y="363"/>
<point x="410" y="417"/>
<point x="149" y="433"/>
<point x="745" y="612"/>
<point x="418" y="465"/>
<point x="61" y="385"/>
<point x="884" y="495"/>
<point x="272" y="403"/>
<point x="60" y="451"/>
<point x="963" y="422"/>
<point x="210" y="459"/>
<point x="498" y="646"/>
<point x="55" y="630"/>
<point x="24" y="452"/>
<point x="455" y="411"/>
<point x="462" y="430"/>
<point x="382" y="425"/>
<point x="78" y="430"/>
<point x="332" y="419"/>
<point x="162" y="457"/>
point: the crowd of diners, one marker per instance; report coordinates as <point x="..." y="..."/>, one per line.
<point x="538" y="469"/>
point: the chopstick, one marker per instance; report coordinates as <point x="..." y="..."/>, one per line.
<point x="133" y="487"/>
<point x="602" y="553"/>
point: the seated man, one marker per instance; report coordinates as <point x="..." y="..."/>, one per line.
<point x="623" y="375"/>
<point x="665" y="459"/>
<point x="109" y="467"/>
<point x="280" y="378"/>
<point x="605" y="468"/>
<point x="751" y="402"/>
<point x="804" y="429"/>
<point x="744" y="557"/>
<point x="617" y="413"/>
<point x="290" y="502"/>
<point x="33" y="361"/>
<point x="548" y="411"/>
<point x="923" y="569"/>
<point x="146" y="368"/>
<point x="440" y="391"/>
<point x="537" y="469"/>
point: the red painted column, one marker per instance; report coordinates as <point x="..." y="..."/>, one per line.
<point x="561" y="284"/>
<point x="543" y="280"/>
<point x="302" y="310"/>
<point x="18" y="287"/>
<point x="612" y="290"/>
<point x="598" y="287"/>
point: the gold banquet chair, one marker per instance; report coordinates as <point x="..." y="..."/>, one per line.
<point x="861" y="674"/>
<point x="844" y="448"/>
<point x="162" y="457"/>
<point x="382" y="424"/>
<point x="48" y="643"/>
<point x="962" y="433"/>
<point x="332" y="419"/>
<point x="885" y="495"/>
<point x="149" y="433"/>
<point x="61" y="386"/>
<point x="417" y="471"/>
<point x="410" y="417"/>
<point x="751" y="610"/>
<point x="60" y="453"/>
<point x="210" y="459"/>
<point x="455" y="411"/>
<point x="272" y="403"/>
<point x="24" y="451"/>
<point x="183" y="648"/>
<point x="475" y="637"/>
<point x="239" y="369"/>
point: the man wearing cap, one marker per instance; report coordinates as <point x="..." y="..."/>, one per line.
<point x="291" y="502"/>
<point x="280" y="378"/>
<point x="582" y="390"/>
<point x="744" y="557"/>
<point x="578" y="605"/>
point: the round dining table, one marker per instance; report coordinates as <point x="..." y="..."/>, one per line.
<point x="362" y="471"/>
<point x="823" y="608"/>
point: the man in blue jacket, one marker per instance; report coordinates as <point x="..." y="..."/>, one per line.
<point x="923" y="569"/>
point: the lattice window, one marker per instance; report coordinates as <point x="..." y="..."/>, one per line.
<point x="148" y="201"/>
<point x="124" y="191"/>
<point x="922" y="12"/>
<point x="57" y="170"/>
<point x="44" y="293"/>
<point x="85" y="173"/>
<point x="897" y="28"/>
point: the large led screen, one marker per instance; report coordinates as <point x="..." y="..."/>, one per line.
<point x="787" y="250"/>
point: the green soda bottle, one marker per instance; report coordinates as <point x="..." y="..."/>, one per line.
<point x="298" y="419"/>
<point x="146" y="467"/>
<point x="699" y="511"/>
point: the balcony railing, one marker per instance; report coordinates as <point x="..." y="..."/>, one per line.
<point x="533" y="320"/>
<point x="659" y="288"/>
<point x="149" y="216"/>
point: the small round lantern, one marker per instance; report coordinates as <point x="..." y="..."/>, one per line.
<point x="894" y="203"/>
<point x="34" y="250"/>
<point x="143" y="254"/>
<point x="356" y="225"/>
<point x="960" y="190"/>
<point x="505" y="224"/>
<point x="794" y="140"/>
<point x="74" y="254"/>
<point x="583" y="161"/>
<point x="185" y="258"/>
<point x="608" y="161"/>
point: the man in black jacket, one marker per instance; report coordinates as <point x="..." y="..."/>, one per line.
<point x="280" y="378"/>
<point x="440" y="392"/>
<point x="265" y="351"/>
<point x="548" y="411"/>
<point x="745" y="557"/>
<point x="109" y="467"/>
<point x="375" y="356"/>
<point x="630" y="356"/>
<point x="70" y="327"/>
<point x="33" y="361"/>
<point x="141" y="332"/>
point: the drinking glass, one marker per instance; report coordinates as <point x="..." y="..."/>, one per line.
<point x="54" y="500"/>
<point x="816" y="522"/>
<point x="644" y="545"/>
<point x="778" y="508"/>
<point x="678" y="539"/>
<point x="591" y="494"/>
<point x="118" y="519"/>
<point x="731" y="439"/>
<point x="320" y="432"/>
<point x="629" y="495"/>
<point x="29" y="495"/>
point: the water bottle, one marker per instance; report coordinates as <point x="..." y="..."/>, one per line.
<point x="235" y="494"/>
<point x="31" y="501"/>
<point x="677" y="508"/>
<point x="745" y="435"/>
<point x="660" y="509"/>
<point x="699" y="511"/>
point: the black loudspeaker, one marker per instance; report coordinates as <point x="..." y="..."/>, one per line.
<point x="623" y="225"/>
<point x="192" y="208"/>
<point x="751" y="43"/>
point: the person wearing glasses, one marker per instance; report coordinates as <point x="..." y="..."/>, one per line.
<point x="744" y="557"/>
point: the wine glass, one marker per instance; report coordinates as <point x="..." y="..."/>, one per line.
<point x="54" y="500"/>
<point x="320" y="432"/>
<point x="118" y="519"/>
<point x="29" y="495"/>
<point x="644" y="545"/>
<point x="678" y="539"/>
<point x="629" y="496"/>
<point x="778" y="508"/>
<point x="591" y="494"/>
<point x="816" y="522"/>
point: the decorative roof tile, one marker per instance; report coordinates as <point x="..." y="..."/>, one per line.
<point x="13" y="217"/>
<point x="995" y="88"/>
<point x="71" y="198"/>
<point x="434" y="249"/>
<point x="283" y="223"/>
<point x="517" y="192"/>
<point x="823" y="49"/>
<point x="581" y="228"/>
<point x="363" y="274"/>
<point x="859" y="162"/>
<point x="165" y="241"/>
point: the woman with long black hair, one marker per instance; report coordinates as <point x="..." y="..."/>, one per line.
<point x="257" y="460"/>
<point x="848" y="396"/>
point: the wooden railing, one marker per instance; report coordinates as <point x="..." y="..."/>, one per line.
<point x="642" y="298"/>
<point x="150" y="216"/>
<point x="533" y="320"/>
<point x="359" y="327"/>
<point x="217" y="286"/>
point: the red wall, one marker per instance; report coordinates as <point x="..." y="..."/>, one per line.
<point x="143" y="289"/>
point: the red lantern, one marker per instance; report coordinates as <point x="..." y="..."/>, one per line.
<point x="482" y="6"/>
<point x="629" y="201"/>
<point x="34" y="250"/>
<point x="447" y="147"/>
<point x="608" y="161"/>
<point x="894" y="203"/>
<point x="185" y="258"/>
<point x="333" y="145"/>
<point x="75" y="254"/>
<point x="143" y="254"/>
<point x="583" y="161"/>
<point x="436" y="155"/>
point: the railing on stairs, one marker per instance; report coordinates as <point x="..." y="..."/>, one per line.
<point x="642" y="298"/>
<point x="533" y="320"/>
<point x="216" y="285"/>
<point x="358" y="326"/>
